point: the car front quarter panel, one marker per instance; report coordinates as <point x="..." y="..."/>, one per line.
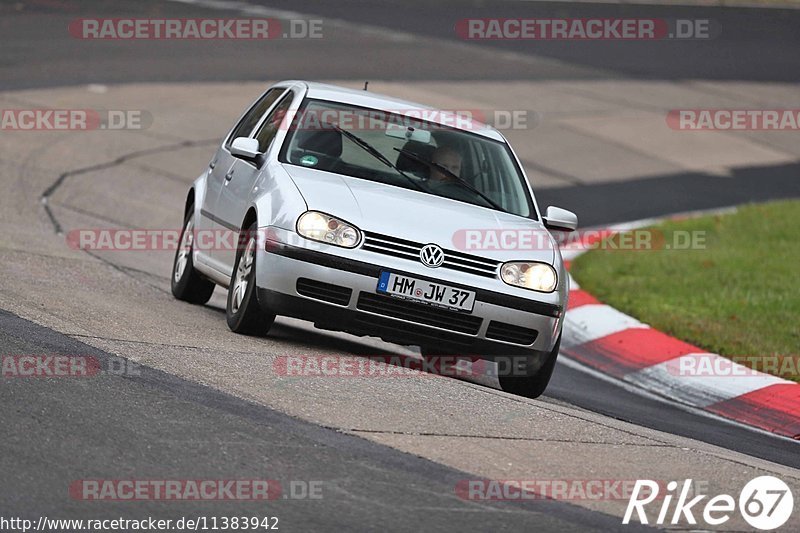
<point x="278" y="201"/>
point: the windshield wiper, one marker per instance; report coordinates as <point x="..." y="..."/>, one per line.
<point x="444" y="170"/>
<point x="371" y="150"/>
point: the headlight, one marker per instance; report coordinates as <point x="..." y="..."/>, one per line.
<point x="325" y="228"/>
<point x="535" y="276"/>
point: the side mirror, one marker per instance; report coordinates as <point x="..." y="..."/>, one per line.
<point x="245" y="148"/>
<point x="560" y="219"/>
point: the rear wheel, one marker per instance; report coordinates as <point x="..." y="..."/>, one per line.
<point x="533" y="385"/>
<point x="243" y="312"/>
<point x="186" y="283"/>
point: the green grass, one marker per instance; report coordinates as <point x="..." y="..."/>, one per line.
<point x="739" y="295"/>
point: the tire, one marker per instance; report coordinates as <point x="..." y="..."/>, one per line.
<point x="534" y="385"/>
<point x="243" y="313"/>
<point x="188" y="284"/>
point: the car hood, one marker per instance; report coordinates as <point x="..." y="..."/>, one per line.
<point x="424" y="218"/>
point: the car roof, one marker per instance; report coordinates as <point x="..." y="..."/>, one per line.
<point x="335" y="93"/>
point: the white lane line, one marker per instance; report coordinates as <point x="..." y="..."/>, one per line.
<point x="715" y="379"/>
<point x="594" y="321"/>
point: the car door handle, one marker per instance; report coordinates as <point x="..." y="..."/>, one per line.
<point x="212" y="164"/>
<point x="229" y="175"/>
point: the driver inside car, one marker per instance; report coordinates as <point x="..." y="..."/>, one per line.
<point x="450" y="159"/>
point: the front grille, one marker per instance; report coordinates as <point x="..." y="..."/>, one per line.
<point x="510" y="333"/>
<point x="419" y="313"/>
<point x="384" y="244"/>
<point x="324" y="291"/>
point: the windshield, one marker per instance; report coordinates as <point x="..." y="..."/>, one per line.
<point x="404" y="152"/>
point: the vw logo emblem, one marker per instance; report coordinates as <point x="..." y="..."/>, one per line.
<point x="431" y="256"/>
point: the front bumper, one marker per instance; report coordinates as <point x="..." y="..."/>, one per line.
<point x="364" y="312"/>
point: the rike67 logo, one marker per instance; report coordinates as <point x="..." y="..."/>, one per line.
<point x="765" y="503"/>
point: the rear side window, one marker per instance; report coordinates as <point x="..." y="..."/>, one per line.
<point x="268" y="130"/>
<point x="251" y="118"/>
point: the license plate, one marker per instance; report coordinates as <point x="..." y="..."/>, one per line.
<point x="426" y="292"/>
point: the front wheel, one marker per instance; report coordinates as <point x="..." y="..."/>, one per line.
<point x="243" y="313"/>
<point x="186" y="283"/>
<point x="533" y="385"/>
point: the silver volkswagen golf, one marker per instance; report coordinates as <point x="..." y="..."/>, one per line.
<point x="377" y="216"/>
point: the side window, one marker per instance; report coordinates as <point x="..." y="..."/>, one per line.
<point x="251" y="118"/>
<point x="270" y="127"/>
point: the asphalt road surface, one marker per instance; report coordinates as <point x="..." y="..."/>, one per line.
<point x="751" y="45"/>
<point x="160" y="427"/>
<point x="388" y="453"/>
